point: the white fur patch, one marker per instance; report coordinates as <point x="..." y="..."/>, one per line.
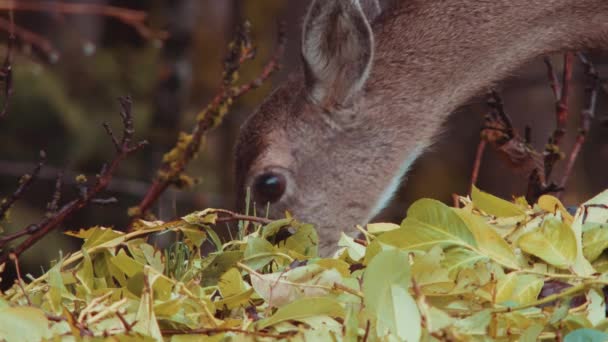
<point x="393" y="186"/>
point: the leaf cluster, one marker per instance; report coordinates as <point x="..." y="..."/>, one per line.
<point x="490" y="270"/>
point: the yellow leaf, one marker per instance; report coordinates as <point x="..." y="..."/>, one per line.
<point x="303" y="308"/>
<point x="489" y="242"/>
<point x="552" y="204"/>
<point x="23" y="324"/>
<point x="376" y="228"/>
<point x="493" y="205"/>
<point x="518" y="288"/>
<point x="554" y="242"/>
<point x="595" y="241"/>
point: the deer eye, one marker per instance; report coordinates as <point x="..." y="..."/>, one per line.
<point x="269" y="187"/>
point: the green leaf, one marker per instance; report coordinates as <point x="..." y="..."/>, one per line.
<point x="194" y="235"/>
<point x="521" y="289"/>
<point x="554" y="242"/>
<point x="304" y="242"/>
<point x="385" y="269"/>
<point x="586" y="335"/>
<point x="457" y="258"/>
<point x="595" y="241"/>
<point x="281" y="288"/>
<point x="305" y="307"/>
<point x="493" y="205"/>
<point x="217" y="265"/>
<point x="476" y="324"/>
<point x="355" y="250"/>
<point x="489" y="242"/>
<point x="552" y="204"/>
<point x="430" y="275"/>
<point x="202" y="218"/>
<point x="385" y="288"/>
<point x="85" y="275"/>
<point x="97" y="236"/>
<point x="596" y="214"/>
<point x="147" y="323"/>
<point x="400" y="316"/>
<point x="532" y="333"/>
<point x="429" y="223"/>
<point x="126" y="264"/>
<point x="231" y="283"/>
<point x="258" y="253"/>
<point x="23" y="324"/>
<point x="382" y="227"/>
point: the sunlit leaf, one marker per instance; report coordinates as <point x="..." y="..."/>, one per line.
<point x="552" y="204"/>
<point x="595" y="241"/>
<point x="23" y="324"/>
<point x="488" y="241"/>
<point x="586" y="335"/>
<point x="400" y="316"/>
<point x="518" y="288"/>
<point x="495" y="206"/>
<point x="554" y="242"/>
<point x="476" y="324"/>
<point x="305" y="307"/>
<point x="429" y="223"/>
<point x="281" y="288"/>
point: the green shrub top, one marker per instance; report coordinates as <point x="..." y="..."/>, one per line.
<point x="490" y="270"/>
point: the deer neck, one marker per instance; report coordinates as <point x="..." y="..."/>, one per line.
<point x="432" y="56"/>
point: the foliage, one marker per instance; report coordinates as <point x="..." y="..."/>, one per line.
<point x="490" y="270"/>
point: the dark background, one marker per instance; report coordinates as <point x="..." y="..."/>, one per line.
<point x="62" y="97"/>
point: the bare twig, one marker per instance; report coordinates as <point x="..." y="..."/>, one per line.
<point x="232" y="217"/>
<point x="174" y="164"/>
<point x="553" y="80"/>
<point x="36" y="232"/>
<point x="53" y="205"/>
<point x="133" y="18"/>
<point x="552" y="151"/>
<point x="15" y="259"/>
<point x="7" y="67"/>
<point x="586" y="115"/>
<point x="214" y="331"/>
<point x="24" y="183"/>
<point x="481" y="147"/>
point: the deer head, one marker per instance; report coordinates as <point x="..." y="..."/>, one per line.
<point x="332" y="144"/>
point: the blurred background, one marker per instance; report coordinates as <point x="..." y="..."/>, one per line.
<point x="70" y="71"/>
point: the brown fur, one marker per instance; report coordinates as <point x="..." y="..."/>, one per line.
<point x="430" y="57"/>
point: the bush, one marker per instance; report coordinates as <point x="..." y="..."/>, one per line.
<point x="489" y="270"/>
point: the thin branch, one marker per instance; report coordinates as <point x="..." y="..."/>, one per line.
<point x="7" y="66"/>
<point x="133" y="18"/>
<point x="53" y="205"/>
<point x="232" y="217"/>
<point x="562" y="107"/>
<point x="556" y="87"/>
<point x="187" y="147"/>
<point x="481" y="147"/>
<point x="24" y="183"/>
<point x="90" y="195"/>
<point x="563" y="103"/>
<point x="214" y="331"/>
<point x="15" y="259"/>
<point x="128" y="186"/>
<point x="586" y="116"/>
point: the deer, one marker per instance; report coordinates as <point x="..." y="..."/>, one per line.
<point x="332" y="144"/>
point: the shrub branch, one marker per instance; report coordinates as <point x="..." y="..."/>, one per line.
<point x="88" y="194"/>
<point x="188" y="145"/>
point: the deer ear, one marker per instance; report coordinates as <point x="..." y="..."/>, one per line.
<point x="371" y="8"/>
<point x="337" y="49"/>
